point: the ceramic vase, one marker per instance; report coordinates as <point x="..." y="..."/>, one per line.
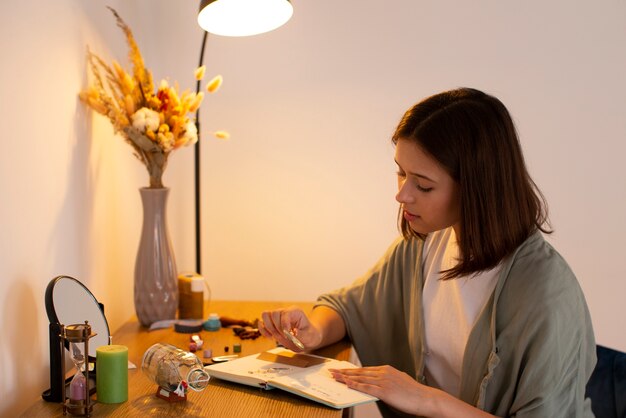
<point x="156" y="287"/>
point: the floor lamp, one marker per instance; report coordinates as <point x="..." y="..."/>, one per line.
<point x="231" y="18"/>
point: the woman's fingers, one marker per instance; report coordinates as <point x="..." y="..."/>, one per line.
<point x="263" y="329"/>
<point x="279" y="325"/>
<point x="269" y="325"/>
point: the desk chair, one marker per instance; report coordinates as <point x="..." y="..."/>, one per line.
<point x="607" y="385"/>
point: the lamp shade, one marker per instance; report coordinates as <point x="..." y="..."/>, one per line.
<point x="243" y="17"/>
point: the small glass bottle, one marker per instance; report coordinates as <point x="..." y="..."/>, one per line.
<point x="174" y="369"/>
<point x="213" y="323"/>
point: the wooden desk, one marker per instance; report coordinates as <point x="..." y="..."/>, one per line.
<point x="220" y="399"/>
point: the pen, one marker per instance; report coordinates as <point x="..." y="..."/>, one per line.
<point x="293" y="339"/>
<point x="220" y="359"/>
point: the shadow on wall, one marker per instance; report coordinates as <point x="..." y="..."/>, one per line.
<point x="22" y="370"/>
<point x="69" y="244"/>
<point x="24" y="346"/>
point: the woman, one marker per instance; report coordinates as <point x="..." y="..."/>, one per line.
<point x="471" y="313"/>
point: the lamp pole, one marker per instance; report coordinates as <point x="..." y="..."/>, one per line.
<point x="197" y="167"/>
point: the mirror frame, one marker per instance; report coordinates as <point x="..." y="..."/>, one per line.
<point x="57" y="381"/>
<point x="51" y="312"/>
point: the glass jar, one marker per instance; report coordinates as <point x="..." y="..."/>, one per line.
<point x="174" y="369"/>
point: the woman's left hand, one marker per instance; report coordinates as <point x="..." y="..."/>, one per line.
<point x="400" y="391"/>
<point x="395" y="388"/>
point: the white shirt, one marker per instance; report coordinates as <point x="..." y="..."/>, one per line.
<point x="450" y="310"/>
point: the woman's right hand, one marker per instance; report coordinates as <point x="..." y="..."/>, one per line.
<point x="292" y="320"/>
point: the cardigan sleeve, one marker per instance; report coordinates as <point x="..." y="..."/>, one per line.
<point x="374" y="308"/>
<point x="545" y="339"/>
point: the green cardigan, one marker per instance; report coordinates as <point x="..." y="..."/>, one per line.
<point x="530" y="353"/>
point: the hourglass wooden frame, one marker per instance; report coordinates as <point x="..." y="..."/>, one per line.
<point x="77" y="334"/>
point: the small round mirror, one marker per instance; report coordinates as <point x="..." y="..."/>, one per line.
<point x="69" y="302"/>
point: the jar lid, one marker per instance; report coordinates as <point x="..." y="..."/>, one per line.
<point x="197" y="284"/>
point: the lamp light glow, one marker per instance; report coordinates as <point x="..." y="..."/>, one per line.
<point x="243" y="17"/>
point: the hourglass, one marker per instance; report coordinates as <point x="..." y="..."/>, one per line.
<point x="77" y="335"/>
<point x="78" y="383"/>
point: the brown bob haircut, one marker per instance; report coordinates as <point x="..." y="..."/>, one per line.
<point x="471" y="134"/>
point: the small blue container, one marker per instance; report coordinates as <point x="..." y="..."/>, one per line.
<point x="213" y="323"/>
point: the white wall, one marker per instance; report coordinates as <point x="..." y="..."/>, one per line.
<point x="301" y="200"/>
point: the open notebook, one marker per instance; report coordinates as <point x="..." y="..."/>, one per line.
<point x="305" y="375"/>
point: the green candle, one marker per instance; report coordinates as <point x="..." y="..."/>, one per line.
<point x="112" y="373"/>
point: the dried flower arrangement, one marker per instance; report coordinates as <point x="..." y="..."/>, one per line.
<point x="153" y="122"/>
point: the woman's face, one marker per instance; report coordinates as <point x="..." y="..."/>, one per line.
<point x="429" y="197"/>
